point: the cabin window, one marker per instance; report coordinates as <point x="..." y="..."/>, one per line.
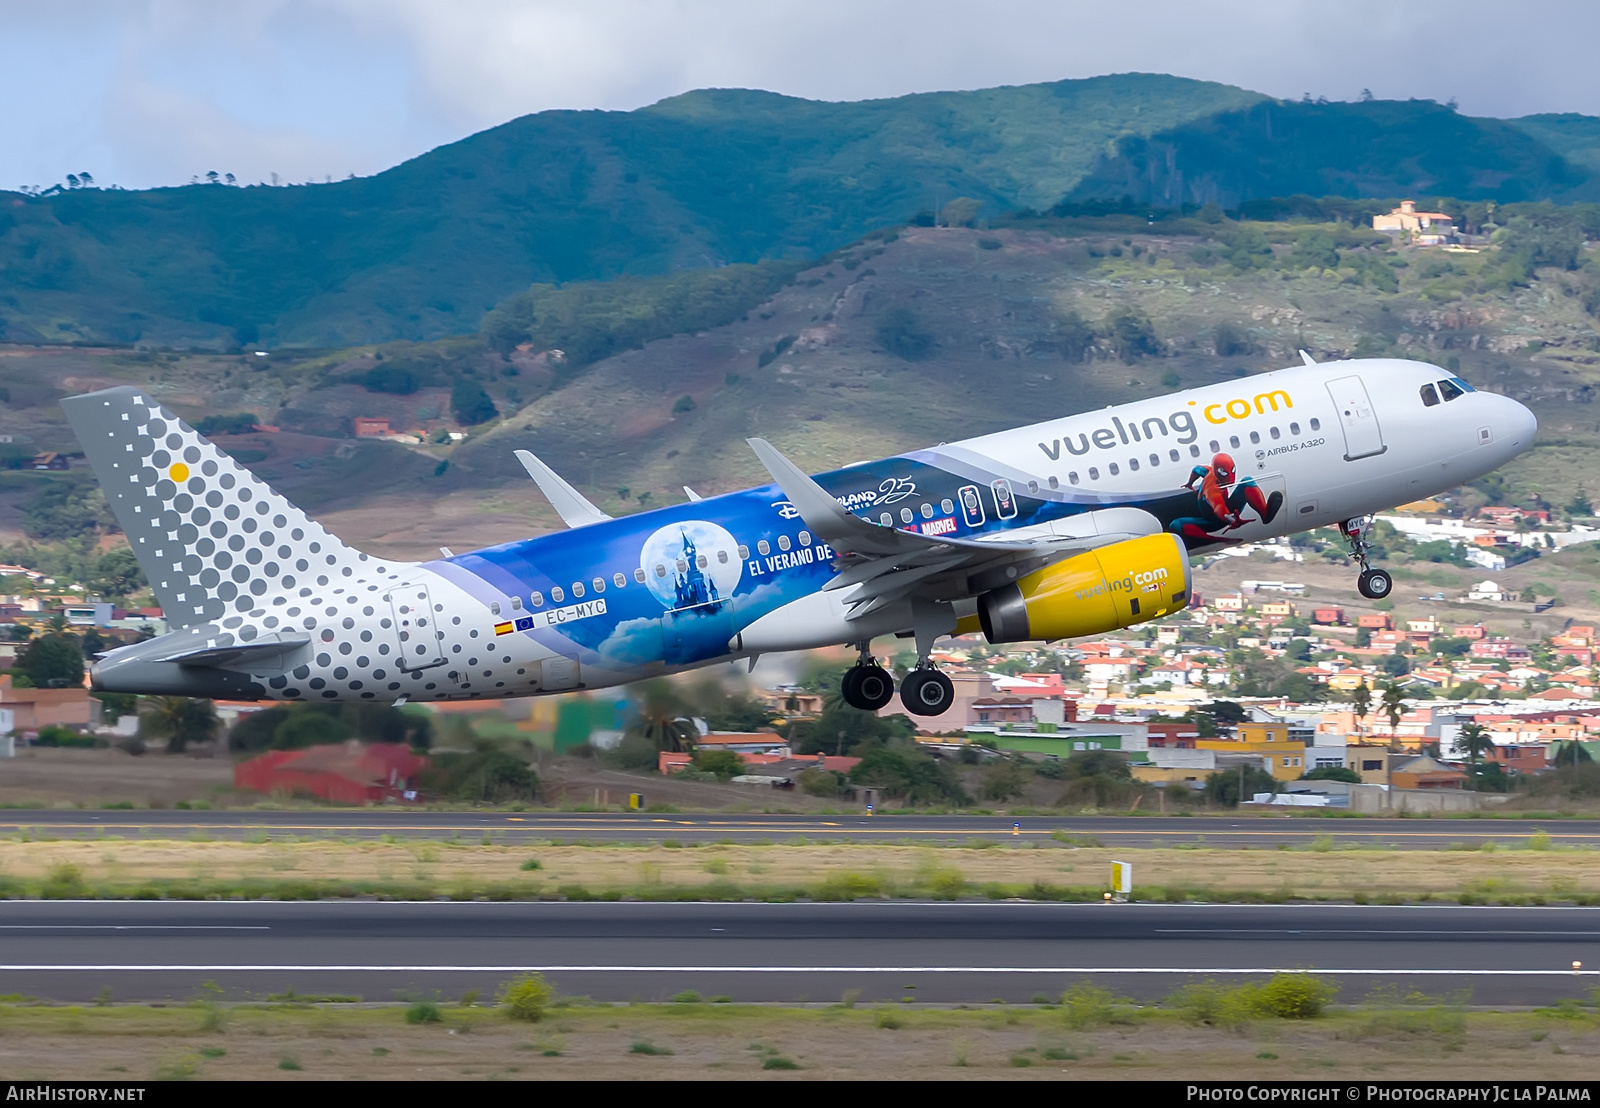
<point x="1113" y="468"/>
<point x="702" y="561"/>
<point x="577" y="590"/>
<point x="1448" y="390"/>
<point x="661" y="570"/>
<point x="1194" y="451"/>
<point x="1155" y="459"/>
<point x="619" y="580"/>
<point x="722" y="557"/>
<point x="1233" y="441"/>
<point x="905" y="515"/>
<point x="783" y="542"/>
<point x="683" y="566"/>
<point x="764" y="547"/>
<point x="1133" y="464"/>
<point x="1094" y="473"/>
<point x="494" y="606"/>
<point x="638" y="575"/>
<point x="557" y="594"/>
<point x="947" y="505"/>
<point x="744" y="552"/>
<point x="1215" y="446"/>
<point x="1033" y="486"/>
<point x="927" y="511"/>
<point x="1053" y="482"/>
<point x="1174" y="455"/>
<point x="1294" y="428"/>
<point x="516" y="603"/>
<point x="1255" y="437"/>
<point x="537" y="599"/>
<point x="1316" y="424"/>
<point x="1274" y="432"/>
<point x="805" y="538"/>
<point x="1430" y="395"/>
<point x="599" y="584"/>
<point x="1072" y="477"/>
<point x="886" y="519"/>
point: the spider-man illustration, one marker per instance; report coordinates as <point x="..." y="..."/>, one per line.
<point x="1221" y="500"/>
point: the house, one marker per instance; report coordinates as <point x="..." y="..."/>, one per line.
<point x="1369" y="760"/>
<point x="1329" y="616"/>
<point x="347" y="773"/>
<point x="1488" y="590"/>
<point x="1473" y="631"/>
<point x="1422" y="228"/>
<point x="1425" y="773"/>
<point x="1281" y="757"/>
<point x="1005" y="709"/>
<point x="32" y="709"/>
<point x="1276" y="611"/>
<point x="1230" y="603"/>
<point x="49" y="460"/>
<point x="1172" y="736"/>
<point x="1376" y="621"/>
<point x="745" y="742"/>
<point x="371" y="427"/>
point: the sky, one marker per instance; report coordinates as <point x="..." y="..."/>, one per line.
<point x="143" y="93"/>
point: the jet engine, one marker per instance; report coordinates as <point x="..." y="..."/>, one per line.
<point x="1103" y="590"/>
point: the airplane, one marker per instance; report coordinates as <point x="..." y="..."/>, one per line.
<point x="1079" y="525"/>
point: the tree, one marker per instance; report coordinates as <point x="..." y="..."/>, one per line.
<point x="662" y="719"/>
<point x="1474" y="742"/>
<point x="1005" y="778"/>
<point x="53" y="661"/>
<point x="1394" y="704"/>
<point x="117" y="573"/>
<point x="471" y="402"/>
<point x="1361" y="703"/>
<point x="723" y="763"/>
<point x="900" y="769"/>
<point x="1332" y="773"/>
<point x="180" y="720"/>
<point x="1229" y="787"/>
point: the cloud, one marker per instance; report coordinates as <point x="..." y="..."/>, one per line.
<point x="154" y="91"/>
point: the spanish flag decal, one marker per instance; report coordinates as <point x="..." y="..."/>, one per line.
<point x="502" y="629"/>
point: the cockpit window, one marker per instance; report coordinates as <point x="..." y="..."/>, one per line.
<point x="1448" y="390"/>
<point x="1462" y="385"/>
<point x="1429" y="396"/>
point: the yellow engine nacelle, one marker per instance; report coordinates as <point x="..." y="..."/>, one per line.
<point x="1090" y="594"/>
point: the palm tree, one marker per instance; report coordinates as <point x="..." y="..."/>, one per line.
<point x="1474" y="742"/>
<point x="1361" y="702"/>
<point x="663" y="719"/>
<point x="180" y="720"/>
<point x="1394" y="705"/>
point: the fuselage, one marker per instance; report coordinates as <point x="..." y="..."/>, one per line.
<point x="741" y="574"/>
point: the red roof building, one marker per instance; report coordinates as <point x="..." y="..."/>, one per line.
<point x="349" y="773"/>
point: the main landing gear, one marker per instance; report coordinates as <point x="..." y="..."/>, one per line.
<point x="867" y="685"/>
<point x="924" y="691"/>
<point x="1374" y="584"/>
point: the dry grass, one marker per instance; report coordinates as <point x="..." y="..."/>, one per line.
<point x="267" y="867"/>
<point x="699" y="1041"/>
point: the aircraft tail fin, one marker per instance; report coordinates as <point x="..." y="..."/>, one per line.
<point x="211" y="536"/>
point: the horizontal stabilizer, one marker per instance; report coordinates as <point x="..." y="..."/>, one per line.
<point x="570" y="504"/>
<point x="215" y="654"/>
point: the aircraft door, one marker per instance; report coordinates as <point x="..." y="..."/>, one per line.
<point x="421" y="643"/>
<point x="1363" y="438"/>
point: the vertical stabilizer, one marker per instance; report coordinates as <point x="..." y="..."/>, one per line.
<point x="212" y="537"/>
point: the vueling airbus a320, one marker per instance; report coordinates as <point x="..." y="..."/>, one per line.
<point x="1076" y="526"/>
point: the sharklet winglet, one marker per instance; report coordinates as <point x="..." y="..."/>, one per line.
<point x="570" y="504"/>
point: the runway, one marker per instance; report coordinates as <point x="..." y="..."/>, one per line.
<point x="933" y="952"/>
<point x="1260" y="832"/>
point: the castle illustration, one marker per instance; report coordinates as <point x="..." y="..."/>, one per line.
<point x="693" y="586"/>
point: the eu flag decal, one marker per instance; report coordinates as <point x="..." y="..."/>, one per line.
<point x="525" y="623"/>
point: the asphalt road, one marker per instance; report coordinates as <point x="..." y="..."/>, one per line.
<point x="1260" y="832"/>
<point x="944" y="953"/>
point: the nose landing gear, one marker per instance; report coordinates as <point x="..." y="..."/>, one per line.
<point x="867" y="685"/>
<point x="1374" y="584"/>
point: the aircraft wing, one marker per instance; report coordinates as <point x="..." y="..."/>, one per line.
<point x="570" y="504"/>
<point x="890" y="564"/>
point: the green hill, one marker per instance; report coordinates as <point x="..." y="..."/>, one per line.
<point x="424" y="249"/>
<point x="700" y="181"/>
<point x="1373" y="148"/>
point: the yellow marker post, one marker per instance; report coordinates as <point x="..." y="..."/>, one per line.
<point x="636" y="802"/>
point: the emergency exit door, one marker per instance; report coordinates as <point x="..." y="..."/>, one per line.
<point x="1363" y="438"/>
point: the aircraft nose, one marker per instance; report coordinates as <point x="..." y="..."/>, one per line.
<point x="1515" y="424"/>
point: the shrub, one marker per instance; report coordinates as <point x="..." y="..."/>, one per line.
<point x="423" y="1011"/>
<point x="847" y="886"/>
<point x="723" y="763"/>
<point x="890" y="1020"/>
<point x="471" y="403"/>
<point x="1087" y="1005"/>
<point x="946" y="883"/>
<point x="531" y="864"/>
<point x="527" y="997"/>
<point x="779" y="1062"/>
<point x="683" y="405"/>
<point x="64" y="882"/>
<point x="1295" y="996"/>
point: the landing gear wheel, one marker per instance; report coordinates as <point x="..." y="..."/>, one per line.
<point x="927" y="692"/>
<point x="868" y="687"/>
<point x="1374" y="584"/>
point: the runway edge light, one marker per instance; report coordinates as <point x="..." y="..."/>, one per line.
<point x="1121" y="880"/>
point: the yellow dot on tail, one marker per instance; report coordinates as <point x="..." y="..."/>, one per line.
<point x="179" y="473"/>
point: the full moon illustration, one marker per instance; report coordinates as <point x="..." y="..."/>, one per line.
<point x="723" y="567"/>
